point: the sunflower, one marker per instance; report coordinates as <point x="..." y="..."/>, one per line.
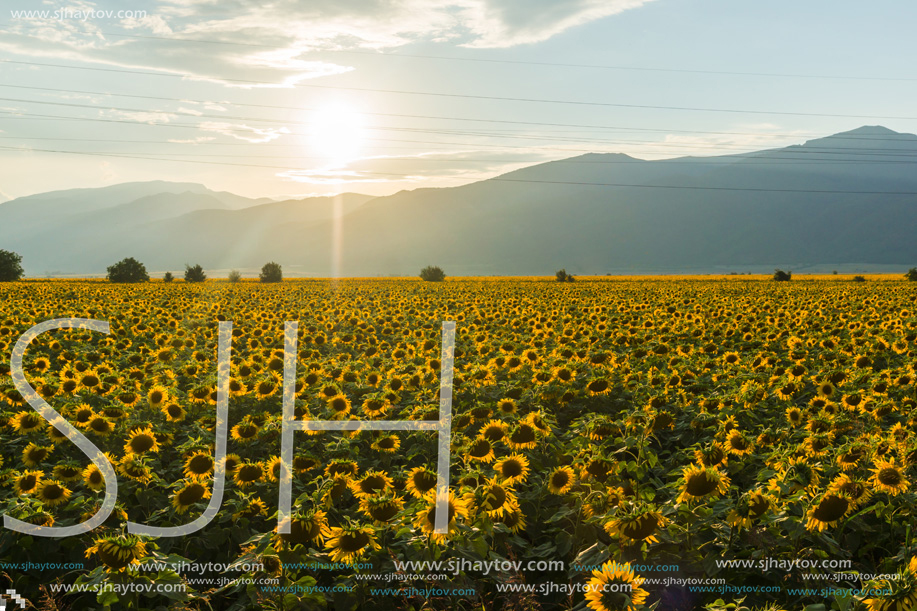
<point x="245" y="432"/>
<point x="615" y="588"/>
<point x="636" y="524"/>
<point x="494" y="498"/>
<point x="81" y="415"/>
<point x="506" y="406"/>
<point x="426" y="517"/>
<point x="794" y="415"/>
<point x="173" y="412"/>
<point x="512" y="469"/>
<point x="713" y="455"/>
<point x="387" y="445"/>
<point x="523" y="437"/>
<point x="157" y="396"/>
<point x="117" y="552"/>
<point x="372" y="483"/>
<point x="248" y="473"/>
<point x="253" y="508"/>
<point x="67" y="473"/>
<point x="190" y="493"/>
<point x="898" y="594"/>
<point x="199" y="465"/>
<point x="828" y="511"/>
<point x="339" y="405"/>
<point x="561" y="480"/>
<point x="850" y="458"/>
<point x="738" y="444"/>
<point x="27" y="482"/>
<point x="493" y="431"/>
<point x="420" y="481"/>
<point x="350" y="542"/>
<point x="513" y="518"/>
<point x="538" y="422"/>
<point x="231" y="463"/>
<point x="480" y="450"/>
<point x="750" y="507"/>
<point x="27" y="422"/>
<point x="34" y="454"/>
<point x="343" y="467"/>
<point x="382" y="508"/>
<point x="598" y="386"/>
<point x="311" y="527"/>
<point x="100" y="426"/>
<point x="93" y="478"/>
<point x="887" y="477"/>
<point x="132" y="466"/>
<point x="141" y="441"/>
<point x="700" y="482"/>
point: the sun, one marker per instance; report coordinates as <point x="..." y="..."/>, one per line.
<point x="336" y="133"/>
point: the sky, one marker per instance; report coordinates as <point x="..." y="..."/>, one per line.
<point x="309" y="97"/>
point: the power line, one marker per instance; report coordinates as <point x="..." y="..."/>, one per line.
<point x="498" y="179"/>
<point x="284" y="122"/>
<point x="446" y="118"/>
<point x="470" y="96"/>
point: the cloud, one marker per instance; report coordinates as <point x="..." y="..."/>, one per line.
<point x="244" y="132"/>
<point x="273" y="41"/>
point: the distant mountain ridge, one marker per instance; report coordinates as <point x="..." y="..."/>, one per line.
<point x="845" y="202"/>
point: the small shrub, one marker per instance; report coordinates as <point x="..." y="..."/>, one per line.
<point x="271" y="272"/>
<point x="168" y="277"/>
<point x="432" y="273"/>
<point x="235" y="276"/>
<point x="782" y="276"/>
<point x="194" y="274"/>
<point x="569" y="277"/>
<point x="911" y="274"/>
<point x="859" y="279"/>
<point x="128" y="270"/>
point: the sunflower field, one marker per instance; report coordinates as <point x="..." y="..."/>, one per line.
<point x="696" y="443"/>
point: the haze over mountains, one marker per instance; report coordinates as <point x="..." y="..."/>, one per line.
<point x="847" y="202"/>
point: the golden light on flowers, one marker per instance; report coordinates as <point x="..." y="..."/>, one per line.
<point x="426" y="517"/>
<point x="828" y="511"/>
<point x="888" y="477"/>
<point x="141" y="441"/>
<point x="388" y="444"/>
<point x="347" y="543"/>
<point x="372" y="482"/>
<point x="615" y="588"/>
<point x="700" y="482"/>
<point x="481" y="450"/>
<point x="248" y="473"/>
<point x="117" y="552"/>
<point x="188" y="495"/>
<point x="493" y="498"/>
<point x="245" y="432"/>
<point x="93" y="478"/>
<point x="33" y="454"/>
<point x="420" y="481"/>
<point x="199" y="465"/>
<point x="27" y="422"/>
<point x="381" y="508"/>
<point x="561" y="480"/>
<point x="512" y="469"/>
<point x="27" y="482"/>
<point x="636" y="524"/>
<point x="749" y="509"/>
<point x="307" y="529"/>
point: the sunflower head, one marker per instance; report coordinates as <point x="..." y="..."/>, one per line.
<point x="615" y="587"/>
<point x="700" y="482"/>
<point x="117" y="552"/>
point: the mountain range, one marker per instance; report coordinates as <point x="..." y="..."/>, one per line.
<point x="846" y="201"/>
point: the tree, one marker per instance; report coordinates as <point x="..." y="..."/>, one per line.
<point x="859" y="279"/>
<point x="168" y="277"/>
<point x="235" y="276"/>
<point x="271" y="272"/>
<point x="561" y="275"/>
<point x="911" y="274"/>
<point x="431" y="273"/>
<point x="10" y="268"/>
<point x="782" y="276"/>
<point x="128" y="270"/>
<point x="194" y="274"/>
